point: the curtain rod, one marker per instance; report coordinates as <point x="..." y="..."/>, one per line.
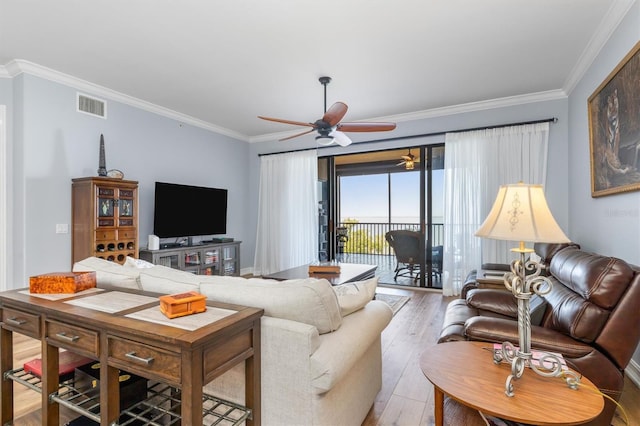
<point x="424" y="135"/>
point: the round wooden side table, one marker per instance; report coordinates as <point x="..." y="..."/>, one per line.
<point x="465" y="371"/>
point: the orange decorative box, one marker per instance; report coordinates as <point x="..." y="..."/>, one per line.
<point x="178" y="305"/>
<point x="330" y="267"/>
<point x="62" y="282"/>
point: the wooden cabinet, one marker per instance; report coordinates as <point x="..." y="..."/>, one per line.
<point x="104" y="218"/>
<point x="203" y="259"/>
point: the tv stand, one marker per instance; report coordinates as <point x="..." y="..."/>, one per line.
<point x="202" y="259"/>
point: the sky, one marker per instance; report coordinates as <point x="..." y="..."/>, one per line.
<point x="366" y="196"/>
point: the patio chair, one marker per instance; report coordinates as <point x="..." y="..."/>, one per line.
<point x="406" y="246"/>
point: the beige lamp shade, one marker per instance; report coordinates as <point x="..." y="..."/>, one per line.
<point x="521" y="213"/>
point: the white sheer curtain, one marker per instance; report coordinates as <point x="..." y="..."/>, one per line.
<point x="287" y="234"/>
<point x="476" y="164"/>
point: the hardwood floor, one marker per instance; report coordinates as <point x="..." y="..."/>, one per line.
<point x="406" y="397"/>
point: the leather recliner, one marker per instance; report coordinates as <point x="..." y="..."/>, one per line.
<point x="591" y="317"/>
<point x="544" y="251"/>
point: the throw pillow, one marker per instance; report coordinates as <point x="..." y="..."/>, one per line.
<point x="109" y="273"/>
<point x="354" y="296"/>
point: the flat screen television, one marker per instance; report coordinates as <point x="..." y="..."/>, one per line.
<point x="187" y="211"/>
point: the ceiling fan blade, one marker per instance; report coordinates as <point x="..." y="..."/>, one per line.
<point x="335" y="113"/>
<point x="366" y="127"/>
<point x="297" y="134"/>
<point x="295" y="123"/>
<point x="340" y="138"/>
<point x="401" y="163"/>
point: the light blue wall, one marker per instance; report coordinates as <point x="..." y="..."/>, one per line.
<point x="6" y="89"/>
<point x="53" y="143"/>
<point x="611" y="224"/>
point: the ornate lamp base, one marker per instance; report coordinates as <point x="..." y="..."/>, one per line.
<point x="523" y="286"/>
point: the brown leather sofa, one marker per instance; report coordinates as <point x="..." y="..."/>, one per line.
<point x="591" y="316"/>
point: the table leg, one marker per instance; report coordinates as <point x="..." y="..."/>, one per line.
<point x="438" y="408"/>
<point x="253" y="393"/>
<point x="191" y="389"/>
<point x="50" y="378"/>
<point x="6" y="388"/>
<point x="109" y="394"/>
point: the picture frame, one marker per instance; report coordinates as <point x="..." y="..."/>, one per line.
<point x="614" y="129"/>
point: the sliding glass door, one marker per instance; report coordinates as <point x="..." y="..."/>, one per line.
<point x="376" y="193"/>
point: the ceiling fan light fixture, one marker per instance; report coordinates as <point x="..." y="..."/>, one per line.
<point x="324" y="140"/>
<point x="340" y="138"/>
<point x="409" y="165"/>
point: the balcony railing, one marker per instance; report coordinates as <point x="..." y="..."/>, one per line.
<point x="368" y="238"/>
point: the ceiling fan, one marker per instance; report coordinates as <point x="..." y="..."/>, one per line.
<point x="408" y="161"/>
<point x="329" y="127"/>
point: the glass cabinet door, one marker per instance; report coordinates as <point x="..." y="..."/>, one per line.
<point x="229" y="261"/>
<point x="170" y="260"/>
<point x="211" y="264"/>
<point x="106" y="213"/>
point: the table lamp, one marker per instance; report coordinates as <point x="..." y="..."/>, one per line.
<point x="520" y="213"/>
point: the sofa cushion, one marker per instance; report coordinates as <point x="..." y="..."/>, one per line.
<point x="311" y="301"/>
<point x="600" y="280"/>
<point x="162" y="279"/>
<point x="354" y="296"/>
<point x="109" y="273"/>
<point x="499" y="301"/>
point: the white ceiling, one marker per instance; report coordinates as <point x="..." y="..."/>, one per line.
<point x="222" y="63"/>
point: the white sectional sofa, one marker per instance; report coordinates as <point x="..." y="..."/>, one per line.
<point x="321" y="352"/>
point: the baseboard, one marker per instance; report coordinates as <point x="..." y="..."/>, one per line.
<point x="633" y="372"/>
<point x="246" y="271"/>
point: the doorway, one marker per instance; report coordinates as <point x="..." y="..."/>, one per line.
<point x="367" y="195"/>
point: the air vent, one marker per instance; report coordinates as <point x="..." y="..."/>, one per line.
<point x="92" y="106"/>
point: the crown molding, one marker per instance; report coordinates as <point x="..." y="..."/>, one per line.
<point x="610" y="22"/>
<point x="508" y="101"/>
<point x="19" y="66"/>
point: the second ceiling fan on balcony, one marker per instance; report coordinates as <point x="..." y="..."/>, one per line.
<point x="329" y="127"/>
<point x="408" y="161"/>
